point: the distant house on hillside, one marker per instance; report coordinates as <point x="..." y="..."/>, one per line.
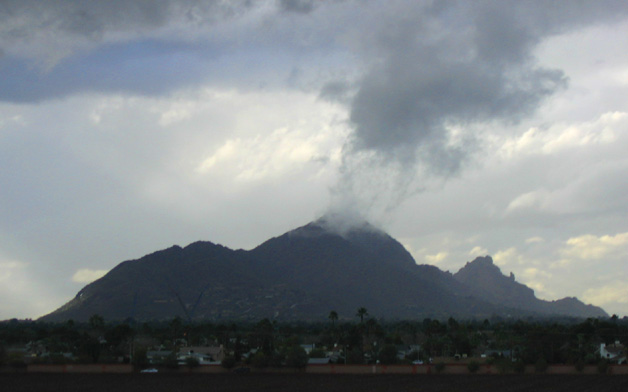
<point x="615" y="352"/>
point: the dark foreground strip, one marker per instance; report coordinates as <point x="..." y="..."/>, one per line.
<point x="164" y="382"/>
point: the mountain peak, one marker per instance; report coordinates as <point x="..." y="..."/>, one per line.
<point x="485" y="261"/>
<point x="480" y="266"/>
<point x="343" y="225"/>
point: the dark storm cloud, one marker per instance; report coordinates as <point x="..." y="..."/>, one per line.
<point x="436" y="76"/>
<point x="457" y="63"/>
<point x="425" y="66"/>
<point x="147" y="68"/>
<point x="336" y="91"/>
<point x="95" y="18"/>
<point x="59" y="48"/>
<point x="56" y="48"/>
<point x="299" y="6"/>
<point x="89" y="19"/>
<point x="429" y="77"/>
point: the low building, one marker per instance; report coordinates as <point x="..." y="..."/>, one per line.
<point x="204" y="355"/>
<point x="615" y="352"/>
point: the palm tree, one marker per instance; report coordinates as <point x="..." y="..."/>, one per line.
<point x="362" y="312"/>
<point x="333" y="316"/>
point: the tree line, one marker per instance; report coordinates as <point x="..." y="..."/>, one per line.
<point x="358" y="338"/>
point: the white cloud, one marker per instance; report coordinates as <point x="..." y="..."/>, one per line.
<point x="529" y="271"/>
<point x="478" y="251"/>
<point x="534" y="240"/>
<point x="22" y="295"/>
<point x="612" y="293"/>
<point x="436" y="258"/>
<point x="224" y="153"/>
<point x="591" y="247"/>
<point x="530" y="200"/>
<point x="9" y="268"/>
<point x="86" y="275"/>
<point x="535" y="273"/>
<point x="290" y="130"/>
<point x="558" y="137"/>
<point x="249" y="159"/>
<point x="540" y="289"/>
<point x="509" y="256"/>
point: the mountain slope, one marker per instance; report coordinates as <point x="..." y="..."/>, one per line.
<point x="302" y="275"/>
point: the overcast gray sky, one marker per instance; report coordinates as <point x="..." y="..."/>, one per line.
<point x="461" y="128"/>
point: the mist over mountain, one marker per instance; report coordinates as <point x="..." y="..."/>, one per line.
<point x="303" y="275"/>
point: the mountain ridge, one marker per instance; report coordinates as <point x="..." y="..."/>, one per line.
<point x="486" y="281"/>
<point x="302" y="275"/>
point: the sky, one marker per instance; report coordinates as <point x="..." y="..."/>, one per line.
<point x="461" y="128"/>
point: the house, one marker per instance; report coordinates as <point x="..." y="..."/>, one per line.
<point x="615" y="352"/>
<point x="497" y="354"/>
<point x="318" y="361"/>
<point x="405" y="351"/>
<point x="308" y="348"/>
<point x="204" y="355"/>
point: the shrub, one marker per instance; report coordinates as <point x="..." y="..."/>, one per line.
<point x="139" y="359"/>
<point x="259" y="360"/>
<point x="579" y="365"/>
<point x="473" y="366"/>
<point x="388" y="355"/>
<point x="540" y="366"/>
<point x="296" y="357"/>
<point x="228" y="362"/>
<point x="277" y="359"/>
<point x="171" y="361"/>
<point x="192" y="362"/>
<point x="58" y="359"/>
<point x="16" y="360"/>
<point x="602" y="367"/>
<point x="355" y="357"/>
<point x="504" y="365"/>
<point x="318" y="353"/>
<point x="519" y="366"/>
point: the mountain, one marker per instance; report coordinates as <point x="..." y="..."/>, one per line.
<point x="486" y="281"/>
<point x="302" y="275"/>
